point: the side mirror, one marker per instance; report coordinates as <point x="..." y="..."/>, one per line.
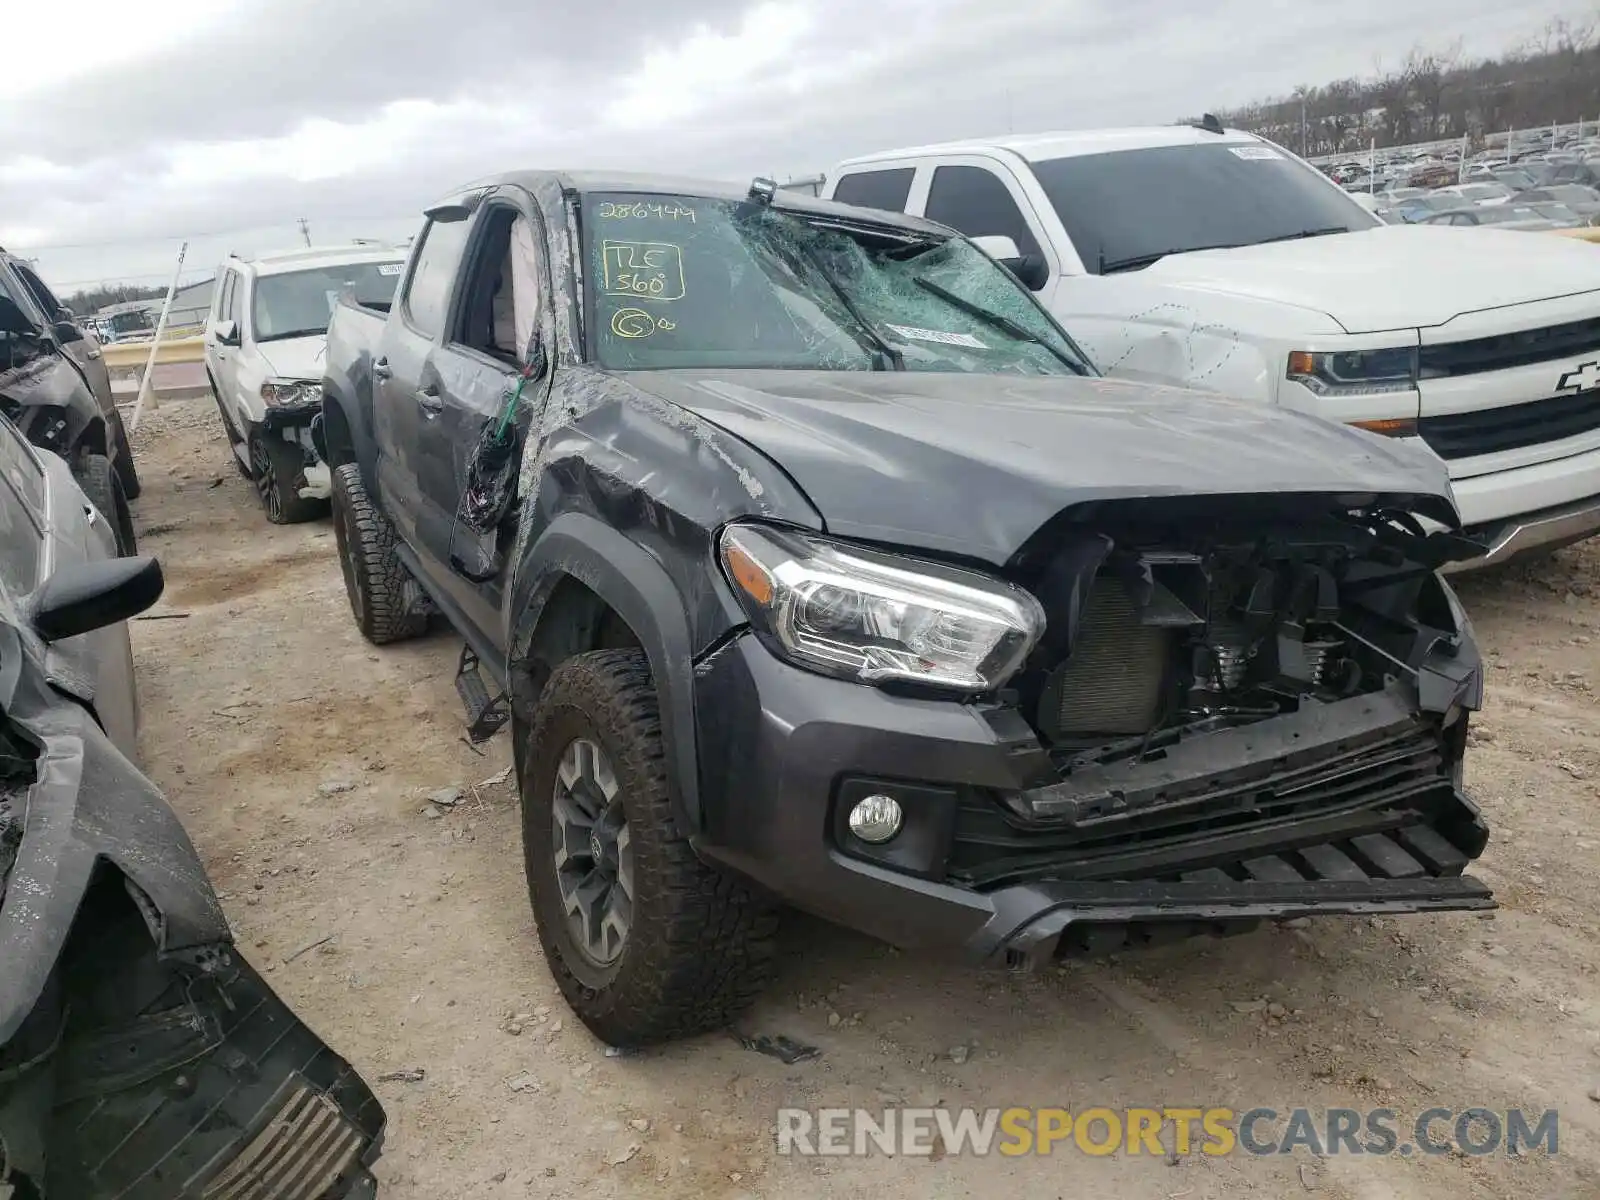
<point x="65" y="314"/>
<point x="89" y="596"/>
<point x="1031" y="269"/>
<point x="66" y="332"/>
<point x="227" y="333"/>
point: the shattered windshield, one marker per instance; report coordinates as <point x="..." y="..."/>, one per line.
<point x="300" y="303"/>
<point x="681" y="281"/>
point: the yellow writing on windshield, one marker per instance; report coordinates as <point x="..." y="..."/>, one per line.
<point x="648" y="270"/>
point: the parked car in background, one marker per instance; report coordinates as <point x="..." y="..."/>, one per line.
<point x="50" y="392"/>
<point x="1498" y="216"/>
<point x="1420" y="208"/>
<point x="1478" y="193"/>
<point x="264" y="344"/>
<point x="1215" y="259"/>
<point x="1518" y="178"/>
<point x="1580" y="198"/>
<point x="141" y="1057"/>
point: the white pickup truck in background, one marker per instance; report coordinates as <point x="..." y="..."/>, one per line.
<point x="1213" y="259"/>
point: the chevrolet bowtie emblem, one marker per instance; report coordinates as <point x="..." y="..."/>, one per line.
<point x="1582" y="378"/>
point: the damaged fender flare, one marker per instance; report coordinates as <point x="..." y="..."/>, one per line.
<point x="641" y="592"/>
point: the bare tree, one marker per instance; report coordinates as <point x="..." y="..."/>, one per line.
<point x="1436" y="93"/>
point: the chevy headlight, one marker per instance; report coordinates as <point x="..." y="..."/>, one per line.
<point x="1356" y="372"/>
<point x="859" y="614"/>
<point x="282" y="393"/>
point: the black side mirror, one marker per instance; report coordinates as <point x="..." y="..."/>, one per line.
<point x="66" y="332"/>
<point x="1031" y="270"/>
<point x="89" y="596"/>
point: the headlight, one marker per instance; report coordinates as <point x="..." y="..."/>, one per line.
<point x="858" y="614"/>
<point x="285" y="392"/>
<point x="1356" y="372"/>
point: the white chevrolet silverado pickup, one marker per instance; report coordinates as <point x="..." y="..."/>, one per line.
<point x="1214" y="259"/>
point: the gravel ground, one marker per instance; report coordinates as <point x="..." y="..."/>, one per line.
<point x="302" y="760"/>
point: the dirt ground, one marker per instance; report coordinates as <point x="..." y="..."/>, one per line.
<point x="301" y="759"/>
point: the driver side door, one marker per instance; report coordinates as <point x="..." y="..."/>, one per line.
<point x="502" y="301"/>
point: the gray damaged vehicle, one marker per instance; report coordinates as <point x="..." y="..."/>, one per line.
<point x="141" y="1058"/>
<point x="819" y="569"/>
<point x="55" y="386"/>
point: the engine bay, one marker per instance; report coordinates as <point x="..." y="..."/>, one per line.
<point x="1152" y="644"/>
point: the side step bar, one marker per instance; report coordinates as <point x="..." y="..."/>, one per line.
<point x="486" y="714"/>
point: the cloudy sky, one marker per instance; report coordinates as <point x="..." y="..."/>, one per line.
<point x="134" y="125"/>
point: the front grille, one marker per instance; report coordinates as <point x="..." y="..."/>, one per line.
<point x="1466" y="435"/>
<point x="1506" y="350"/>
<point x="306" y="1148"/>
<point x="1376" y="787"/>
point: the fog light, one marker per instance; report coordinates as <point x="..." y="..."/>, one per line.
<point x="876" y="819"/>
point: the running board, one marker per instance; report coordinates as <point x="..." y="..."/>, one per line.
<point x="486" y="714"/>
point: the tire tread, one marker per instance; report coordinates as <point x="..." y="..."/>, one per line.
<point x="707" y="941"/>
<point x="391" y="612"/>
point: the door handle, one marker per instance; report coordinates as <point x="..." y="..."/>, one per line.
<point x="431" y="403"/>
<point x="381" y="368"/>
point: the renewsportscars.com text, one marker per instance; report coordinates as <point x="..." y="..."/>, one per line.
<point x="1100" y="1131"/>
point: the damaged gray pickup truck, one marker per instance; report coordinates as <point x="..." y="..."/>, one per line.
<point x="141" y="1057"/>
<point x="820" y="569"/>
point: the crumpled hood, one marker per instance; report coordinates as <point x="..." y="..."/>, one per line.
<point x="295" y="358"/>
<point x="975" y="464"/>
<point x="1393" y="276"/>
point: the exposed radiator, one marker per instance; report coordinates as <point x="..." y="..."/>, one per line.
<point x="1115" y="679"/>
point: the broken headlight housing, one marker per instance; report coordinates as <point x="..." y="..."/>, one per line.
<point x="288" y="393"/>
<point x="863" y="615"/>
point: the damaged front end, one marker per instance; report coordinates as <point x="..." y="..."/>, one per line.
<point x="140" y="1056"/>
<point x="1241" y="708"/>
<point x="294" y="415"/>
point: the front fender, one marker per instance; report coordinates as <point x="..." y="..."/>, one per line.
<point x="639" y="589"/>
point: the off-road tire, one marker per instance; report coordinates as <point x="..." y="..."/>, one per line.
<point x="700" y="947"/>
<point x="276" y="468"/>
<point x="98" y="479"/>
<point x="381" y="591"/>
<point x="122" y="459"/>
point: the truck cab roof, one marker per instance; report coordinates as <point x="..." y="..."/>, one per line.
<point x="586" y="182"/>
<point x="281" y="262"/>
<point x="1038" y="147"/>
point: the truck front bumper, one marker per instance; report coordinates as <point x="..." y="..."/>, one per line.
<point x="999" y="860"/>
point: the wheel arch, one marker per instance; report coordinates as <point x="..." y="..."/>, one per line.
<point x="583" y="586"/>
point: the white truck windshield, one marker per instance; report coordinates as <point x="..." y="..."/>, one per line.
<point x="299" y="303"/>
<point x="1130" y="208"/>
